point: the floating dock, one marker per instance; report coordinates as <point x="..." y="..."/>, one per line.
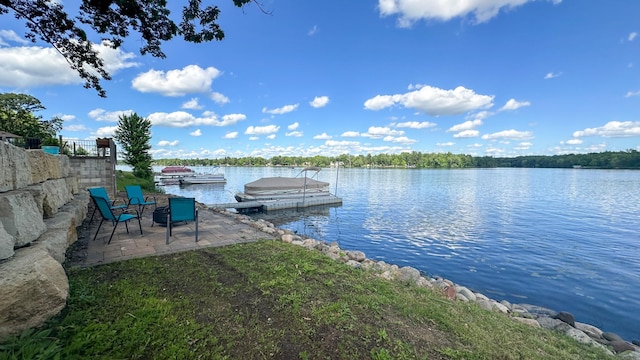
<point x="269" y="205"/>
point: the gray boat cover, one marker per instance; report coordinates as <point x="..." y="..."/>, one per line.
<point x="282" y="183"/>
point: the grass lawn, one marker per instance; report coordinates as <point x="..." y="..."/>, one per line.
<point x="272" y="300"/>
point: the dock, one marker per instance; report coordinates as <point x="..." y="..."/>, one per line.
<point x="269" y="205"/>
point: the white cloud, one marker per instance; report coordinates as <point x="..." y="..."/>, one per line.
<point x="434" y="101"/>
<point x="271" y="137"/>
<point x="281" y="110"/>
<point x="399" y="139"/>
<point x="293" y="126"/>
<point x="377" y="132"/>
<point x="231" y="135"/>
<point x="78" y="127"/>
<point x="612" y="129"/>
<point x="574" y="141"/>
<point x="313" y="31"/>
<point x="168" y="143"/>
<point x="111" y="116"/>
<point x="445" y="144"/>
<point x="632" y="93"/>
<point x="632" y="36"/>
<point x="33" y="66"/>
<point x="467" y="125"/>
<point x="552" y="75"/>
<point x="415" y="124"/>
<point x="190" y="79"/>
<point x="295" y="133"/>
<point x="219" y="98"/>
<point x="181" y="119"/>
<point x="513" y="104"/>
<point x="322" y="136"/>
<point x="319" y="101"/>
<point x="523" y="146"/>
<point x="107" y="131"/>
<point x="410" y="11"/>
<point x="467" y="134"/>
<point x="343" y="143"/>
<point x="509" y="135"/>
<point x="262" y="130"/>
<point x="196" y="133"/>
<point x="192" y="104"/>
<point x="66" y="117"/>
<point x="12" y="36"/>
<point x="350" y="134"/>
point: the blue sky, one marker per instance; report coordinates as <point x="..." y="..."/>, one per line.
<point x="479" y="77"/>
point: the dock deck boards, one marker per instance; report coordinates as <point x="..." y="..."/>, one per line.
<point x="280" y="204"/>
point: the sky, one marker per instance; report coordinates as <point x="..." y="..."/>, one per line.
<point x="495" y="78"/>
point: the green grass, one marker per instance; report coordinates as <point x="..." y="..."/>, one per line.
<point x="274" y="300"/>
<point x="125" y="178"/>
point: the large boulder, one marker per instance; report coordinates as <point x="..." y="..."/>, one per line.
<point x="56" y="194"/>
<point x="15" y="169"/>
<point x="34" y="289"/>
<point x="43" y="166"/>
<point x="6" y="244"/>
<point x="21" y="217"/>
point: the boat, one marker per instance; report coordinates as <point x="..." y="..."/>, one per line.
<point x="209" y="178"/>
<point x="171" y="175"/>
<point x="203" y="179"/>
<point x="302" y="186"/>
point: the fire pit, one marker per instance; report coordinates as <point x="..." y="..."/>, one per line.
<point x="160" y="215"/>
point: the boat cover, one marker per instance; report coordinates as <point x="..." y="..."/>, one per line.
<point x="282" y="183"/>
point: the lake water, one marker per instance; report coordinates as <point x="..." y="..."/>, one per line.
<point x="566" y="239"/>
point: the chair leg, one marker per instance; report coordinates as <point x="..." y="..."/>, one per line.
<point x="168" y="228"/>
<point x="97" y="231"/>
<point x="93" y="213"/>
<point x="140" y="225"/>
<point x="112" y="232"/>
<point x="126" y="226"/>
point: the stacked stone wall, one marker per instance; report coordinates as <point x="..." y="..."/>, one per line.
<point x="41" y="206"/>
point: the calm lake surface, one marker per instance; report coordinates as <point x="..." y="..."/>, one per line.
<point x="566" y="239"/>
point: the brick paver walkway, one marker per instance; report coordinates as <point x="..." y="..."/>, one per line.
<point x="214" y="229"/>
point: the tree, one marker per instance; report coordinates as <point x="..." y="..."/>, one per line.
<point x="17" y="116"/>
<point x="133" y="134"/>
<point x="113" y="20"/>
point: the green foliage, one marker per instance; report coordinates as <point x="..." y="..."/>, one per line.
<point x="124" y="178"/>
<point x="17" y="116"/>
<point x="112" y="21"/>
<point x="133" y="134"/>
<point x="31" y="344"/>
<point x="629" y="159"/>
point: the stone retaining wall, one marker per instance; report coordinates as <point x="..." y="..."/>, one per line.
<point x="40" y="208"/>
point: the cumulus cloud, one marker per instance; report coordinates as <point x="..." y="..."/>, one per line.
<point x="551" y="75"/>
<point x="467" y="125"/>
<point x="632" y="93"/>
<point x="7" y="36"/>
<point x="168" y="143"/>
<point x="322" y="136"/>
<point x="410" y="11"/>
<point x="271" y="137"/>
<point x="415" y="124"/>
<point x="632" y="36"/>
<point x="574" y="141"/>
<point x="231" y="135"/>
<point x="281" y="110"/>
<point x="446" y="144"/>
<point x="293" y="126"/>
<point x="107" y="131"/>
<point x="295" y="133"/>
<point x="196" y="133"/>
<point x="110" y="116"/>
<point x="434" y="101"/>
<point x="613" y="129"/>
<point x="262" y="130"/>
<point x="219" y="98"/>
<point x="190" y="79"/>
<point x="467" y="134"/>
<point x="513" y="104"/>
<point x="509" y="135"/>
<point x="181" y="119"/>
<point x="350" y="134"/>
<point x="376" y="132"/>
<point x="523" y="146"/>
<point x="192" y="104"/>
<point x="399" y="139"/>
<point x="319" y="101"/>
<point x="76" y="127"/>
<point x="26" y="67"/>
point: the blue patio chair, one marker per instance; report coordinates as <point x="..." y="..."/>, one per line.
<point x="107" y="214"/>
<point x="181" y="209"/>
<point x="134" y="193"/>
<point x="102" y="192"/>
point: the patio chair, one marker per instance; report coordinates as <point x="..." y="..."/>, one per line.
<point x="134" y="193"/>
<point x="103" y="205"/>
<point x="181" y="209"/>
<point x="102" y="192"/>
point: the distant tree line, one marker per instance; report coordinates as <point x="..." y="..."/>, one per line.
<point x="629" y="159"/>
